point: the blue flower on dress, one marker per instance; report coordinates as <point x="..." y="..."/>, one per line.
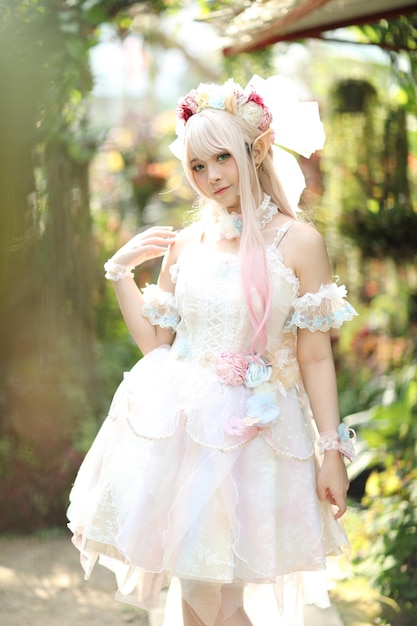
<point x="261" y="409"/>
<point x="258" y="372"/>
<point x="183" y="348"/>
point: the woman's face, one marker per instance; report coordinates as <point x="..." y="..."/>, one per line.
<point x="217" y="178"/>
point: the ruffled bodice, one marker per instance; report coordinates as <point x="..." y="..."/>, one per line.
<point x="213" y="313"/>
<point x="209" y="313"/>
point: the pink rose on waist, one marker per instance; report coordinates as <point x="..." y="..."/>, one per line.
<point x="231" y="368"/>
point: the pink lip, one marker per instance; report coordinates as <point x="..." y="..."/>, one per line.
<point x="217" y="192"/>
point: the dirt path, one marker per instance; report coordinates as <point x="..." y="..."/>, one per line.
<point x="42" y="584"/>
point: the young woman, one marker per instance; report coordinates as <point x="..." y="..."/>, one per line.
<point x="221" y="460"/>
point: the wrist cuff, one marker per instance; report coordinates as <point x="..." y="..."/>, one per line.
<point x="341" y="439"/>
<point x="115" y="271"/>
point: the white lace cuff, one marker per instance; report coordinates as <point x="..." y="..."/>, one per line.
<point x="322" y="310"/>
<point x="116" y="271"/>
<point x="160" y="307"/>
<point x="342" y="439"/>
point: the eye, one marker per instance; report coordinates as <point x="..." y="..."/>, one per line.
<point x="198" y="168"/>
<point x="223" y="157"/>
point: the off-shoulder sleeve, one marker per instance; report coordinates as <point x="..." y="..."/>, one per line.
<point x="325" y="309"/>
<point x="160" y="307"/>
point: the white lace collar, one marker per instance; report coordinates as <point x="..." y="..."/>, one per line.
<point x="230" y="225"/>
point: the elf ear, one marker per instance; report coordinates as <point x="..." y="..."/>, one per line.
<point x="261" y="146"/>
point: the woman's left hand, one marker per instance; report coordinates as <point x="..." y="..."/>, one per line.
<point x="333" y="482"/>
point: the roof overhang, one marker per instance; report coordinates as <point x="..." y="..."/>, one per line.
<point x="255" y="25"/>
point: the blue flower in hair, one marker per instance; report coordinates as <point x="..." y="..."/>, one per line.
<point x="216" y="99"/>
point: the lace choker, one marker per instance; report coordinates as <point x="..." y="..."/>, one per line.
<point x="230" y="225"/>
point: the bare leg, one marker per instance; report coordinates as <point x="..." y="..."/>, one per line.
<point x="232" y="595"/>
<point x="239" y="618"/>
<point x="188" y="615"/>
<point x="231" y="598"/>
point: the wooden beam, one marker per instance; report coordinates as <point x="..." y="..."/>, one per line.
<point x="261" y="42"/>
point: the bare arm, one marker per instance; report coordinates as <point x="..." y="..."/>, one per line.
<point x="315" y="357"/>
<point x="152" y="243"/>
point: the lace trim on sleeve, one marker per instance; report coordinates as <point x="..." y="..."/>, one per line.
<point x="160" y="307"/>
<point x="322" y="310"/>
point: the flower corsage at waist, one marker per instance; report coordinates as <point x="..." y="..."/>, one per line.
<point x="233" y="369"/>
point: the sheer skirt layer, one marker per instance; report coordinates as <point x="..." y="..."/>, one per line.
<point x="235" y="511"/>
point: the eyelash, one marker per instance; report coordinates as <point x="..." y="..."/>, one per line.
<point x="219" y="158"/>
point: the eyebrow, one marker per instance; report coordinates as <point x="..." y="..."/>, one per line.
<point x="194" y="160"/>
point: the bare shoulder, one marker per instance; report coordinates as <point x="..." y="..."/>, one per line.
<point x="306" y="253"/>
<point x="188" y="235"/>
<point x="184" y="238"/>
<point x="306" y="236"/>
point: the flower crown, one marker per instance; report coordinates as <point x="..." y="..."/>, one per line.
<point x="245" y="103"/>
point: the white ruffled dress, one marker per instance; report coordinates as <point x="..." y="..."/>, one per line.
<point x="205" y="467"/>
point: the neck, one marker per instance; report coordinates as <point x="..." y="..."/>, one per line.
<point x="228" y="223"/>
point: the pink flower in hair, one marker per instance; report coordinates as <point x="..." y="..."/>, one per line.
<point x="266" y="120"/>
<point x="255" y="97"/>
<point x="265" y="117"/>
<point x="187" y="106"/>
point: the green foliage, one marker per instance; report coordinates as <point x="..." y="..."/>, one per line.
<point x="34" y="489"/>
<point x="372" y="122"/>
<point x="379" y="212"/>
<point x="378" y="386"/>
<point x="385" y="546"/>
<point x="389" y="537"/>
<point x="48" y="370"/>
<point x="388" y="430"/>
<point x="356" y="596"/>
<point x="398" y="37"/>
<point x="243" y="66"/>
<point x="384" y="232"/>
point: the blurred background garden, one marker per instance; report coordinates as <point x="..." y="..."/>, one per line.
<point x="87" y="113"/>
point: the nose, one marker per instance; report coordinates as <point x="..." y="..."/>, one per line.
<point x="213" y="174"/>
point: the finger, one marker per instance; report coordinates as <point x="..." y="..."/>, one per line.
<point x="153" y="231"/>
<point x="340" y="503"/>
<point x="139" y="239"/>
<point x="152" y="242"/>
<point x="157" y="230"/>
